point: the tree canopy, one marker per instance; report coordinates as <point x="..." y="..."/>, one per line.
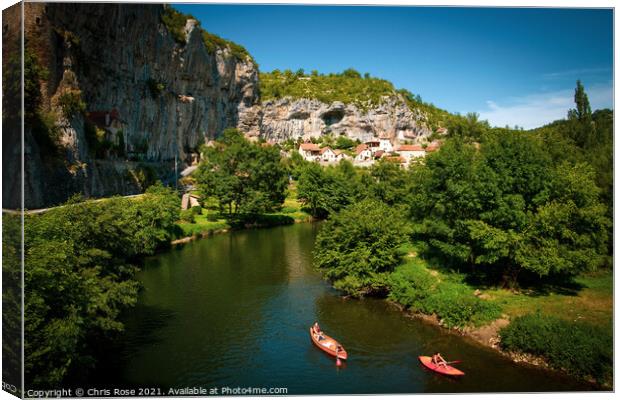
<point x="244" y="177"/>
<point x="79" y="276"/>
<point x="358" y="247"/>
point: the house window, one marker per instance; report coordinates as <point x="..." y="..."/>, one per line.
<point x="38" y="21"/>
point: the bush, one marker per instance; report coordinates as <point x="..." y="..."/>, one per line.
<point x="196" y="210"/>
<point x="175" y="23"/>
<point x="456" y="308"/>
<point x="212" y="217"/>
<point x="71" y="103"/>
<point x="187" y="216"/>
<point x="356" y="246"/>
<point x="579" y="348"/>
<point x="410" y="285"/>
<point x="452" y="301"/>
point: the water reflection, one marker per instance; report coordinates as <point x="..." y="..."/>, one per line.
<point x="237" y="309"/>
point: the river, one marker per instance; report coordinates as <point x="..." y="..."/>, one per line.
<point x="234" y="310"/>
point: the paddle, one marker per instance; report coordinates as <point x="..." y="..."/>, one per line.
<point x="454" y="362"/>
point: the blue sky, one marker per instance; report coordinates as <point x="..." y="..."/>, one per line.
<point x="512" y="66"/>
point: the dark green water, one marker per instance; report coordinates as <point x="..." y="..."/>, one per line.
<point x="234" y="310"/>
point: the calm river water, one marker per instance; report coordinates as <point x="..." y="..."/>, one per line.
<point x="234" y="310"/>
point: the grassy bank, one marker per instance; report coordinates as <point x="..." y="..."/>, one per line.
<point x="568" y="326"/>
<point x="209" y="219"/>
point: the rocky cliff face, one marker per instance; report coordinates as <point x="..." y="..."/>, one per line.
<point x="151" y="95"/>
<point x="287" y="118"/>
<point x="124" y="96"/>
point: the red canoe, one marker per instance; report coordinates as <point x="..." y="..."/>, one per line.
<point x="328" y="345"/>
<point x="446" y="370"/>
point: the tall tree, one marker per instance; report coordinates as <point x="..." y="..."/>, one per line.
<point x="582" y="112"/>
<point x="245" y="177"/>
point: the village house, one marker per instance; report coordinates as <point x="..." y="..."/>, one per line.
<point x="363" y="153"/>
<point x="373" y="145"/>
<point x="434" y="146"/>
<point x="410" y="151"/>
<point x="340" y="155"/>
<point x="310" y="151"/>
<point x="398" y="160"/>
<point x="327" y="154"/>
<point x="386" y="145"/>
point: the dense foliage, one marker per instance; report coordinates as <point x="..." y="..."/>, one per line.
<point x="79" y="276"/>
<point x="358" y="247"/>
<point x="413" y="286"/>
<point x="175" y="23"/>
<point x="245" y="178"/>
<point x="323" y="191"/>
<point x="347" y="87"/>
<point x="577" y="347"/>
<point x="503" y="206"/>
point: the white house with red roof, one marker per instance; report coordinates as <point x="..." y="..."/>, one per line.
<point x="363" y="153"/>
<point x="327" y="154"/>
<point x="340" y="155"/>
<point x="310" y="151"/>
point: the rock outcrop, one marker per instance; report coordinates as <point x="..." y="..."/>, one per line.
<point x="287" y="118"/>
<point x="155" y="97"/>
<point x="126" y="98"/>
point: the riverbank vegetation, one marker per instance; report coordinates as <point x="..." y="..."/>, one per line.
<point x="578" y="347"/>
<point x="80" y="262"/>
<point x="497" y="223"/>
<point x="241" y="184"/>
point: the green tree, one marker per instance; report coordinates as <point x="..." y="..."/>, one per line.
<point x="79" y="276"/>
<point x="389" y="183"/>
<point x="357" y="248"/>
<point x="327" y="190"/>
<point x="509" y="208"/>
<point x="247" y="178"/>
<point x="582" y="111"/>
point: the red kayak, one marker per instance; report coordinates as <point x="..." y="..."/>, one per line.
<point x="442" y="369"/>
<point x="328" y="344"/>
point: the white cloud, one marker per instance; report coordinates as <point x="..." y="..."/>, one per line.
<point x="576" y="73"/>
<point x="535" y="110"/>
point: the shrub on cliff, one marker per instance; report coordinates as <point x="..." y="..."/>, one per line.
<point x="577" y="347"/>
<point x="357" y="247"/>
<point x="175" y="23"/>
<point x="347" y="87"/>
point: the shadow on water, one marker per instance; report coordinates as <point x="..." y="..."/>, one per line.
<point x="143" y="328"/>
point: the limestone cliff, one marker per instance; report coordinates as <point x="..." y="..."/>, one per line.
<point x="125" y="93"/>
<point x="289" y="118"/>
<point x="137" y="89"/>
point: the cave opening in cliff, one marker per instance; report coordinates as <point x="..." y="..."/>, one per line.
<point x="333" y="117"/>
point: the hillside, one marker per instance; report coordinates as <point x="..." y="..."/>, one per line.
<point x="349" y="87"/>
